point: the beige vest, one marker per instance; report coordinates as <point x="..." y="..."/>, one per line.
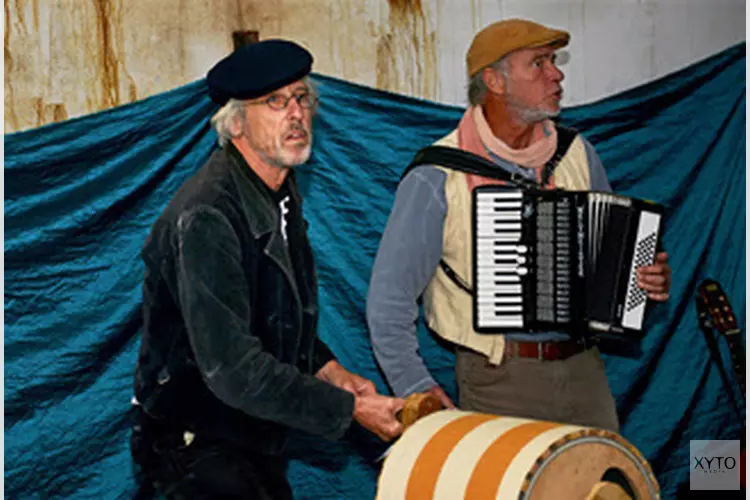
<point x="448" y="309"/>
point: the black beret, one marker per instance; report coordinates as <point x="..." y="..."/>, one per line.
<point x="257" y="69"/>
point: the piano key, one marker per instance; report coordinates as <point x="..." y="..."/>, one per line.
<point x="489" y="283"/>
<point x="493" y="289"/>
<point x="503" y="257"/>
<point x="499" y="210"/>
<point x="508" y="299"/>
<point x="499" y="226"/>
<point x="509" y="237"/>
<point x="488" y="313"/>
<point x="500" y="195"/>
<point x="500" y="246"/>
<point x="504" y="309"/>
<point x="501" y="323"/>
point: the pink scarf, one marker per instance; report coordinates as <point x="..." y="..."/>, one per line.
<point x="475" y="136"/>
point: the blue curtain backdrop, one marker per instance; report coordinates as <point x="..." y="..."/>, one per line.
<point x="80" y="197"/>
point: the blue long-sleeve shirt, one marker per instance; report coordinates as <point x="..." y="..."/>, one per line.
<point x="409" y="253"/>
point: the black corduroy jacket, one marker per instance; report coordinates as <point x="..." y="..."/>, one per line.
<point x="229" y="344"/>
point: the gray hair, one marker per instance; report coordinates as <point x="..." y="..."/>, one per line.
<point x="230" y="115"/>
<point x="226" y="119"/>
<point x="477" y="89"/>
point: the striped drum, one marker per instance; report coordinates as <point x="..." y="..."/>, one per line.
<point x="454" y="454"/>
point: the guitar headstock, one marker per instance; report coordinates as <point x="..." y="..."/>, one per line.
<point x="716" y="302"/>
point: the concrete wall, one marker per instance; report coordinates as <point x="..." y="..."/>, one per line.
<point x="65" y="58"/>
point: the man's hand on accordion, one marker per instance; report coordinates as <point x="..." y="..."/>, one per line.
<point x="657" y="278"/>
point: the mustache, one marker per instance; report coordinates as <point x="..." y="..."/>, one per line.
<point x="296" y="127"/>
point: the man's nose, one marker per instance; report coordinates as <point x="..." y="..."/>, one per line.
<point x="294" y="109"/>
<point x="554" y="73"/>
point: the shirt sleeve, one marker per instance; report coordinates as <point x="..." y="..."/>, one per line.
<point x="214" y="296"/>
<point x="597" y="174"/>
<point x="409" y="253"/>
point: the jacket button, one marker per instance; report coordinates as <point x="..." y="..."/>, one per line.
<point x="272" y="319"/>
<point x="163" y="376"/>
<point x="303" y="357"/>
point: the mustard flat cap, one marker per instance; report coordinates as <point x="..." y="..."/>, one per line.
<point x="503" y="37"/>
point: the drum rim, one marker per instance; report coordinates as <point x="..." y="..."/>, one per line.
<point x="582" y="437"/>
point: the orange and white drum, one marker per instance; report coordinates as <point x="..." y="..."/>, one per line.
<point x="454" y="454"/>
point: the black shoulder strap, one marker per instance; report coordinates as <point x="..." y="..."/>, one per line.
<point x="464" y="161"/>
<point x="565" y="136"/>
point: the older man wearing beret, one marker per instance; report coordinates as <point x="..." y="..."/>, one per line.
<point x="514" y="90"/>
<point x="230" y="360"/>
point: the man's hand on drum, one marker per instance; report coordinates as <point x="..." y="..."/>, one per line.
<point x="377" y="414"/>
<point x="374" y="412"/>
<point x="442" y="396"/>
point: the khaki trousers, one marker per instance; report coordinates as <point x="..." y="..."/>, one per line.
<point x="572" y="391"/>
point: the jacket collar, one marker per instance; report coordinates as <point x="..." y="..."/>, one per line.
<point x="265" y="216"/>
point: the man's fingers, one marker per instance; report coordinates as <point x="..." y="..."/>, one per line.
<point x="442" y="395"/>
<point x="658" y="297"/>
<point x="396" y="405"/>
<point x="653" y="282"/>
<point x="392" y="431"/>
<point x="348" y="386"/>
<point x="367" y="387"/>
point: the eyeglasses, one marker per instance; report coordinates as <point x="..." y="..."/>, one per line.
<point x="279" y="102"/>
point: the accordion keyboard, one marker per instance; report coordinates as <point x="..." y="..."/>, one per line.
<point x="501" y="259"/>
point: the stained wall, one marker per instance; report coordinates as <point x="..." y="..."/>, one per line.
<point x="65" y="58"/>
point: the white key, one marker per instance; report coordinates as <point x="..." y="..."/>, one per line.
<point x="498" y="209"/>
<point x="510" y="299"/>
<point x="491" y="290"/>
<point x="498" y="280"/>
<point x="491" y="244"/>
<point x="509" y="237"/>
<point x="507" y="308"/>
<point x="510" y="194"/>
<point x="501" y="323"/>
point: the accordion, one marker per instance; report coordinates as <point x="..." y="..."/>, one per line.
<point x="561" y="260"/>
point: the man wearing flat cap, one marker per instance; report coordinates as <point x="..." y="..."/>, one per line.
<point x="426" y="251"/>
<point x="230" y="360"/>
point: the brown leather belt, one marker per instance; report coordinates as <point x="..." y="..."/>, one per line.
<point x="547" y="351"/>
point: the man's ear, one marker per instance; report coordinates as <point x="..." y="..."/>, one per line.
<point x="236" y="126"/>
<point x="494" y="81"/>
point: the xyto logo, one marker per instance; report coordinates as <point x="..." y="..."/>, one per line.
<point x="714" y="465"/>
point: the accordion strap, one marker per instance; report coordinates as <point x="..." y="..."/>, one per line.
<point x="470" y="163"/>
<point x="565" y="136"/>
<point x="455" y="278"/>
